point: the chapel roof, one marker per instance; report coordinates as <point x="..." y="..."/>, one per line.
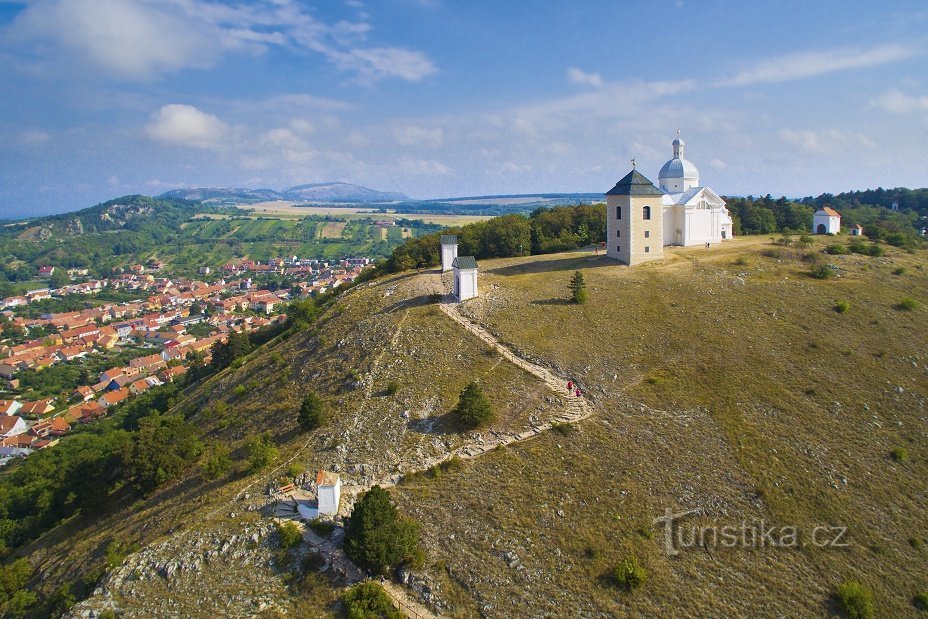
<point x="634" y="184"/>
<point x="465" y="262"/>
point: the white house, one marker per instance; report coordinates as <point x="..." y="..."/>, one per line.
<point x="857" y="230"/>
<point x="465" y="278"/>
<point x="329" y="491"/>
<point x="449" y="251"/>
<point x="11" y="425"/>
<point x="10" y="407"/>
<point x="826" y="221"/>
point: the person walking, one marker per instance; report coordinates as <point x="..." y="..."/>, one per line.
<point x="578" y="392"/>
<point x="570" y="385"/>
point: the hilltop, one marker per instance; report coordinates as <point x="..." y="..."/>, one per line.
<point x="722" y="382"/>
<point x="311" y="192"/>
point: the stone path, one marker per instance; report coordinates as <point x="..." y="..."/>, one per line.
<point x="576" y="409"/>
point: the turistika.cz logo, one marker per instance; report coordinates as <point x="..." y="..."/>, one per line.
<point x="680" y="536"/>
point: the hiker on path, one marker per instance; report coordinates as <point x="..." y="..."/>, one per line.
<point x="707" y="244"/>
<point x="570" y="385"/>
<point x="578" y="392"/>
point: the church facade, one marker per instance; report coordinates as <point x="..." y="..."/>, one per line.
<point x="641" y="219"/>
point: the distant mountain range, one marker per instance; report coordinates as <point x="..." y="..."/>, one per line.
<point x="311" y="192"/>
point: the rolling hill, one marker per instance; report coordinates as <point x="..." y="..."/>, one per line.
<point x="723" y="385"/>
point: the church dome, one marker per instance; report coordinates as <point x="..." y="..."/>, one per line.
<point x="678" y="174"/>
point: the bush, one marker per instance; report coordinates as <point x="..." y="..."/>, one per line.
<point x="473" y="410"/>
<point x="323" y="528"/>
<point x="261" y="451"/>
<point x="289" y="535"/>
<point x="908" y="305"/>
<point x="805" y="240"/>
<point x="377" y="537"/>
<point x="629" y="575"/>
<point x="836" y="249"/>
<point x="117" y="551"/>
<point x="295" y="469"/>
<point x="842" y="307"/>
<point x="577" y="286"/>
<point x="855" y="600"/>
<point x="899" y="271"/>
<point x="392" y="388"/>
<point x="217" y="463"/>
<point x="822" y="271"/>
<point x="920" y="601"/>
<point x="368" y="600"/>
<point x="899" y="454"/>
<point x="312" y="412"/>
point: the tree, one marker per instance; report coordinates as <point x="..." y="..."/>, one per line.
<point x="59" y="278"/>
<point x="368" y="600"/>
<point x="377" y="536"/>
<point x="473" y="410"/>
<point x="312" y="412"/>
<point x="163" y="447"/>
<point x="578" y="288"/>
<point x="218" y="462"/>
<point x="224" y="353"/>
<point x="261" y="451"/>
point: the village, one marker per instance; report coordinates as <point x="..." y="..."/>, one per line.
<point x="136" y="345"/>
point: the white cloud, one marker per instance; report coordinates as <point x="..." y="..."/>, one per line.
<point x="414" y="135"/>
<point x="809" y="64"/>
<point x="422" y="167"/>
<point x="578" y="76"/>
<point x="32" y="137"/>
<point x="824" y="141"/>
<point x="898" y="102"/>
<point x="128" y="38"/>
<point x="185" y="125"/>
<point x="140" y="39"/>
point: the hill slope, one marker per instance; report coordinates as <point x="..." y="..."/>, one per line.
<point x="722" y="381"/>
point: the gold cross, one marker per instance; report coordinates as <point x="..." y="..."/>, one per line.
<point x="633" y="163"/>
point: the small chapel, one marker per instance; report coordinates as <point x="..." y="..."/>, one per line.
<point x="641" y="218"/>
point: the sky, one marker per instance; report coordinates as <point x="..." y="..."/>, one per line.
<point x="434" y="98"/>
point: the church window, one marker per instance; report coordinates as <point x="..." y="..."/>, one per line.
<point x="647" y="234"/>
<point x="618" y="233"/>
<point x="618" y="248"/>
<point x="647" y="212"/>
<point x="647" y="249"/>
<point x="618" y="212"/>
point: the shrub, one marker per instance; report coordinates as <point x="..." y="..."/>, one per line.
<point x="392" y="388"/>
<point x="289" y="535"/>
<point x="822" y="271"/>
<point x="217" y="463"/>
<point x="774" y="252"/>
<point x="377" y="537"/>
<point x="577" y="286"/>
<point x="312" y="412"/>
<point x="741" y="261"/>
<point x="322" y="527"/>
<point x="920" y="601"/>
<point x="805" y="240"/>
<point x="908" y="305"/>
<point x="836" y="249"/>
<point x="563" y="428"/>
<point x="117" y="551"/>
<point x="629" y="575"/>
<point x="899" y="454"/>
<point x="899" y="271"/>
<point x="473" y="410"/>
<point x="261" y="451"/>
<point x="855" y="600"/>
<point x="368" y="600"/>
<point x="875" y="250"/>
<point x="295" y="469"/>
<point x="842" y="307"/>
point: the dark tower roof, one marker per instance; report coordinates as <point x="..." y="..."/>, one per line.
<point x="634" y="184"/>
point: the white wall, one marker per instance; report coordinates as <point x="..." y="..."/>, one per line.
<point x="448" y="254"/>
<point x="328" y="498"/>
<point x="465" y="284"/>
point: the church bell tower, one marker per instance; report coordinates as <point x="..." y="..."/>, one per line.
<point x="634" y="220"/>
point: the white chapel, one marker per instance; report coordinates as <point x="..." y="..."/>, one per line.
<point x="641" y="219"/>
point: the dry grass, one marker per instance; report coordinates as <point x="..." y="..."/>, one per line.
<point x="730" y="388"/>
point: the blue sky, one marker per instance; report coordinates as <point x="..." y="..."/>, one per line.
<point x="434" y="98"/>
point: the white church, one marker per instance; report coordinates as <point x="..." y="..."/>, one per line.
<point x="642" y="219"/>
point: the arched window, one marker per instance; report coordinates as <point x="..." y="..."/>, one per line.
<point x="647" y="212"/>
<point x="618" y="212"/>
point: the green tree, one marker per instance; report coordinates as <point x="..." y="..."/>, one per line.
<point x="163" y="447"/>
<point x="59" y="278"/>
<point x="368" y="600"/>
<point x="473" y="410"/>
<point x="312" y="412"/>
<point x="261" y="451"/>
<point x="377" y="536"/>
<point x="218" y="461"/>
<point x="224" y="353"/>
<point x="577" y="287"/>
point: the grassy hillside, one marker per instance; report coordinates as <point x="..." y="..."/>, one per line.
<point x="723" y="381"/>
